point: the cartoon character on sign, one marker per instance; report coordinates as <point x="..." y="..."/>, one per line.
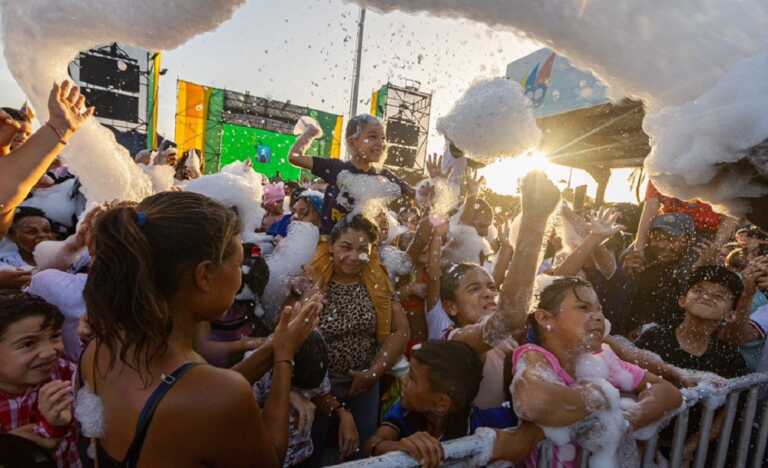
<point x="536" y="83"/>
<point x="263" y="152"/>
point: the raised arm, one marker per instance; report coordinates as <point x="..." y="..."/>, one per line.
<point x="296" y="155"/>
<point x="600" y="228"/>
<point x="20" y="170"/>
<point x="540" y="197"/>
<point x="739" y="330"/>
<point x="505" y="255"/>
<point x="650" y="209"/>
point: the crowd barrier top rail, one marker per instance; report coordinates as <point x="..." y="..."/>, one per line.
<point x="474" y="450"/>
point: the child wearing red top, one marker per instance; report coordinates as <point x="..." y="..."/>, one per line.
<point x="35" y="383"/>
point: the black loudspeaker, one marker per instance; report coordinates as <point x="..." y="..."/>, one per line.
<point x="106" y="72"/>
<point x="401" y="132"/>
<point x="111" y="105"/>
<point x="401" y="156"/>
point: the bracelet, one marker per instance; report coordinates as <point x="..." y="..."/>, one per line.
<point x="288" y="361"/>
<point x="58" y="133"/>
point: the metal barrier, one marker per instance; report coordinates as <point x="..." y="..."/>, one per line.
<point x="461" y="452"/>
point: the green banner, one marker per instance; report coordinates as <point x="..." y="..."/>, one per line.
<point x="214" y="130"/>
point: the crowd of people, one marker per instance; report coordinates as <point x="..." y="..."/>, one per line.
<point x="171" y="331"/>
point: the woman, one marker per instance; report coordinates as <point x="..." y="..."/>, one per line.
<point x="30" y="227"/>
<point x="365" y="330"/>
<point x="161" y="268"/>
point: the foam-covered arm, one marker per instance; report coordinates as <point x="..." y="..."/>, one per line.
<point x="657" y="398"/>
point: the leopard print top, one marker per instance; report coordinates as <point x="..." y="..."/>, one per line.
<point x="348" y="324"/>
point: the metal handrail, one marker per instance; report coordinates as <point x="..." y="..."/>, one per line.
<point x="460" y="452"/>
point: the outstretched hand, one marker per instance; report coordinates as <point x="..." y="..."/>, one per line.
<point x="540" y="196"/>
<point x="603" y="224"/>
<point x="435" y="166"/>
<point x="67" y="108"/>
<point x="473" y="182"/>
<point x="294" y="327"/>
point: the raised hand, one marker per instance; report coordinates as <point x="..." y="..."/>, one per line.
<point x="539" y="194"/>
<point x="55" y="402"/>
<point x="435" y="166"/>
<point x="603" y="224"/>
<point x="293" y="328"/>
<point x="67" y="108"/>
<point x="473" y="182"/>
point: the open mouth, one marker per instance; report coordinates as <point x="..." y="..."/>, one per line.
<point x="45" y="366"/>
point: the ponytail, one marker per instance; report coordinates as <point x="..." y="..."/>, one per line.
<point x="141" y="252"/>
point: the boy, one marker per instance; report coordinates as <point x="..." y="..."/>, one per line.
<point x="35" y="383"/>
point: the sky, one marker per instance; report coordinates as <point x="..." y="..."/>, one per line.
<point x="303" y="51"/>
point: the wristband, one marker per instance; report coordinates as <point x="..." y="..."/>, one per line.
<point x="287" y="361"/>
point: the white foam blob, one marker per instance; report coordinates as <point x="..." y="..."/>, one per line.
<point x="57" y="30"/>
<point x="493" y="118"/>
<point x="56" y="201"/>
<point x="365" y="194"/>
<point x="294" y="251"/>
<point x="674" y="55"/>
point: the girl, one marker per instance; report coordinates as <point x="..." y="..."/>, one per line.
<point x="160" y="269"/>
<point x="568" y="324"/>
<point x="365" y="329"/>
<point x="435" y="405"/>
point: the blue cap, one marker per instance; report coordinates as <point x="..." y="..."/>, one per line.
<point x="315" y="198"/>
<point x="674" y="224"/>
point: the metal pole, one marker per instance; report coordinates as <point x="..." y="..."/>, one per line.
<point x="356" y="70"/>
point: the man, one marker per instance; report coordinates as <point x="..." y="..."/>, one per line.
<point x="652" y="278"/>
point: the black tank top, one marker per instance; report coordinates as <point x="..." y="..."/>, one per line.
<point x="131" y="459"/>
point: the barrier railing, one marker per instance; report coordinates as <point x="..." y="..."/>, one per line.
<point x="462" y="452"/>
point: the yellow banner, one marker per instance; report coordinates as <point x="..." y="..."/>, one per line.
<point x="337" y="132"/>
<point x="191" y="116"/>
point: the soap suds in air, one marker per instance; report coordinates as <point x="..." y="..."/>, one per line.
<point x="698" y="66"/>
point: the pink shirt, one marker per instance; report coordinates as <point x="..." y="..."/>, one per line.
<point x="621" y="374"/>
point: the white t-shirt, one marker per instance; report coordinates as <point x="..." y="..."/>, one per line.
<point x="438" y="322"/>
<point x="65" y="291"/>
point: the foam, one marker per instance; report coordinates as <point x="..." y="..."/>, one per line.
<point x="701" y="60"/>
<point x="41" y="37"/>
<point x="492" y="119"/>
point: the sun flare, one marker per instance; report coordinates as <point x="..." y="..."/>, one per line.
<point x="504" y="175"/>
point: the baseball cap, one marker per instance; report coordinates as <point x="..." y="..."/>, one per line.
<point x="674" y="224"/>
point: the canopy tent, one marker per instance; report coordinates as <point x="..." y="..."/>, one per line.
<point x="581" y="127"/>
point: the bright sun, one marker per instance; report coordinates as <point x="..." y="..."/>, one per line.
<point x="504" y="175"/>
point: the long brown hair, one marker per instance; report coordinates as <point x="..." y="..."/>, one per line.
<point x="141" y="252"/>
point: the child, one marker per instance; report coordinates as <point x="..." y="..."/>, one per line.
<point x="709" y="301"/>
<point x="310" y="382"/>
<point x="436" y="405"/>
<point x="568" y="325"/>
<point x="35" y="383"/>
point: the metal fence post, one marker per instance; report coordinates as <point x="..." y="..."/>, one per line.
<point x="746" y="427"/>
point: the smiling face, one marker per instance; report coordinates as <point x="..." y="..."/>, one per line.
<point x="30" y="231"/>
<point x="370" y="144"/>
<point x="578" y="323"/>
<point x="351" y="252"/>
<point x="475" y="297"/>
<point x="28" y="353"/>
<point x="708" y="301"/>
